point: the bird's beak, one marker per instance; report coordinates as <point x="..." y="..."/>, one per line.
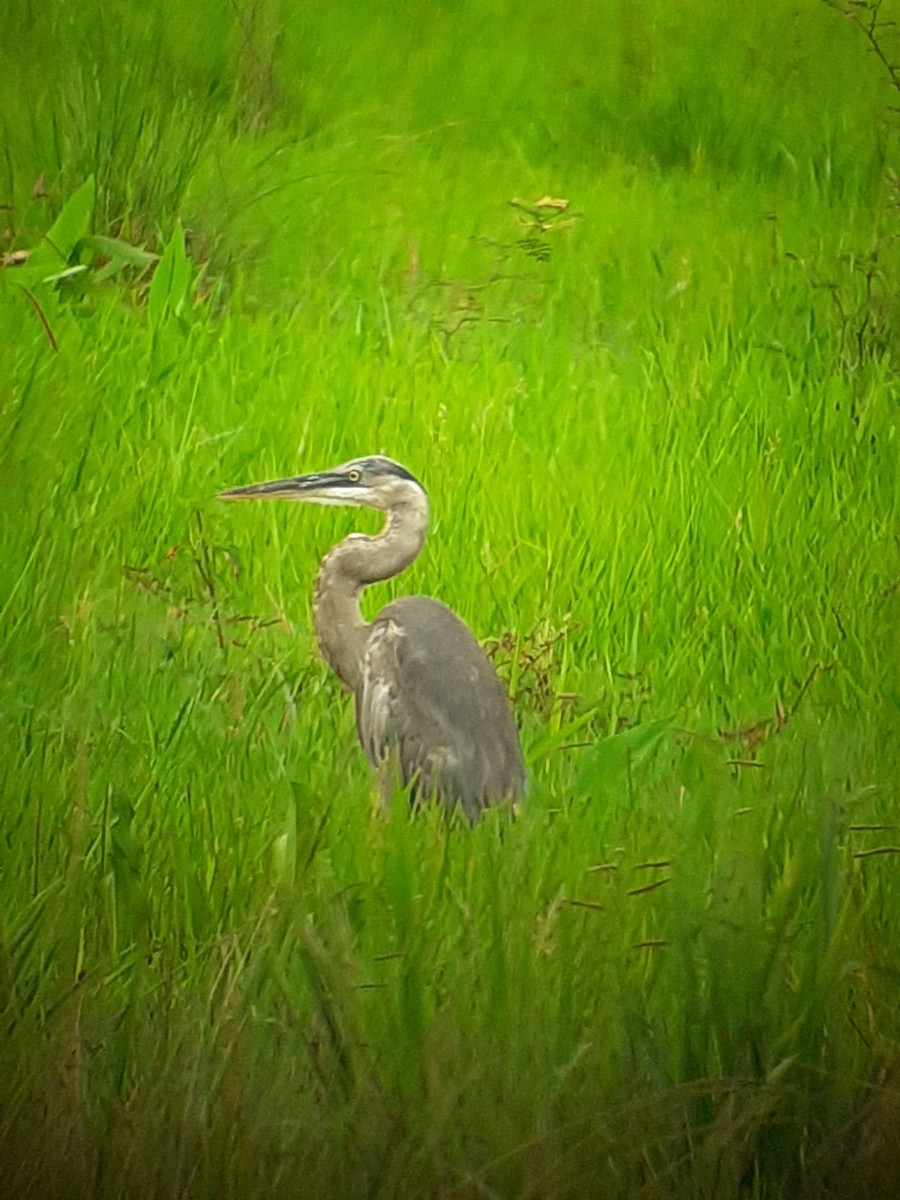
<point x="324" y="487"/>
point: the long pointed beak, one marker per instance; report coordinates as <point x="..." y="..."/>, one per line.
<point x="324" y="487"/>
<point x="275" y="489"/>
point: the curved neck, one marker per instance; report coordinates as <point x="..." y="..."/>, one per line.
<point x="352" y="565"/>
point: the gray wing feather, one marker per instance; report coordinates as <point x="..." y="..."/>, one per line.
<point x="430" y="694"/>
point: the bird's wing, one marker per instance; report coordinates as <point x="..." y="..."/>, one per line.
<point x="429" y="694"/>
<point x="392" y="714"/>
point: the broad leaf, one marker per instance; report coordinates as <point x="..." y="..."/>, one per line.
<point x="170" y="289"/>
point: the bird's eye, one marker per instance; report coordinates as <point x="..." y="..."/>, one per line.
<point x="354" y="476"/>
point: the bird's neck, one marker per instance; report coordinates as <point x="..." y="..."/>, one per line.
<point x="351" y="566"/>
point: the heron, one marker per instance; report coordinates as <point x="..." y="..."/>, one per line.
<point x="428" y="699"/>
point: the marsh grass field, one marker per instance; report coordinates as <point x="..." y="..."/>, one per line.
<point x="658" y="424"/>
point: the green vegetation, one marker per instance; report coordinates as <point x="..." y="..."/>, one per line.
<point x="659" y="428"/>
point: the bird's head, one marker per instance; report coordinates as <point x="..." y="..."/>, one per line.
<point x="374" y="482"/>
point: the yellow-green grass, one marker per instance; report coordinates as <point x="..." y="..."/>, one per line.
<point x="660" y="441"/>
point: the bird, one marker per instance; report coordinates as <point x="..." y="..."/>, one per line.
<point x="429" y="704"/>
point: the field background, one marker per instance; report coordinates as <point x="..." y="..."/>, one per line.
<point x="659" y="429"/>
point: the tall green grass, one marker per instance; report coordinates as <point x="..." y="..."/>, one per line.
<point x="660" y="441"/>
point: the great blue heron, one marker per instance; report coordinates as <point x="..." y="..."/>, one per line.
<point x="427" y="698"/>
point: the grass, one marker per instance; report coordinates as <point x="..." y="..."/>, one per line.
<point x="659" y="436"/>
